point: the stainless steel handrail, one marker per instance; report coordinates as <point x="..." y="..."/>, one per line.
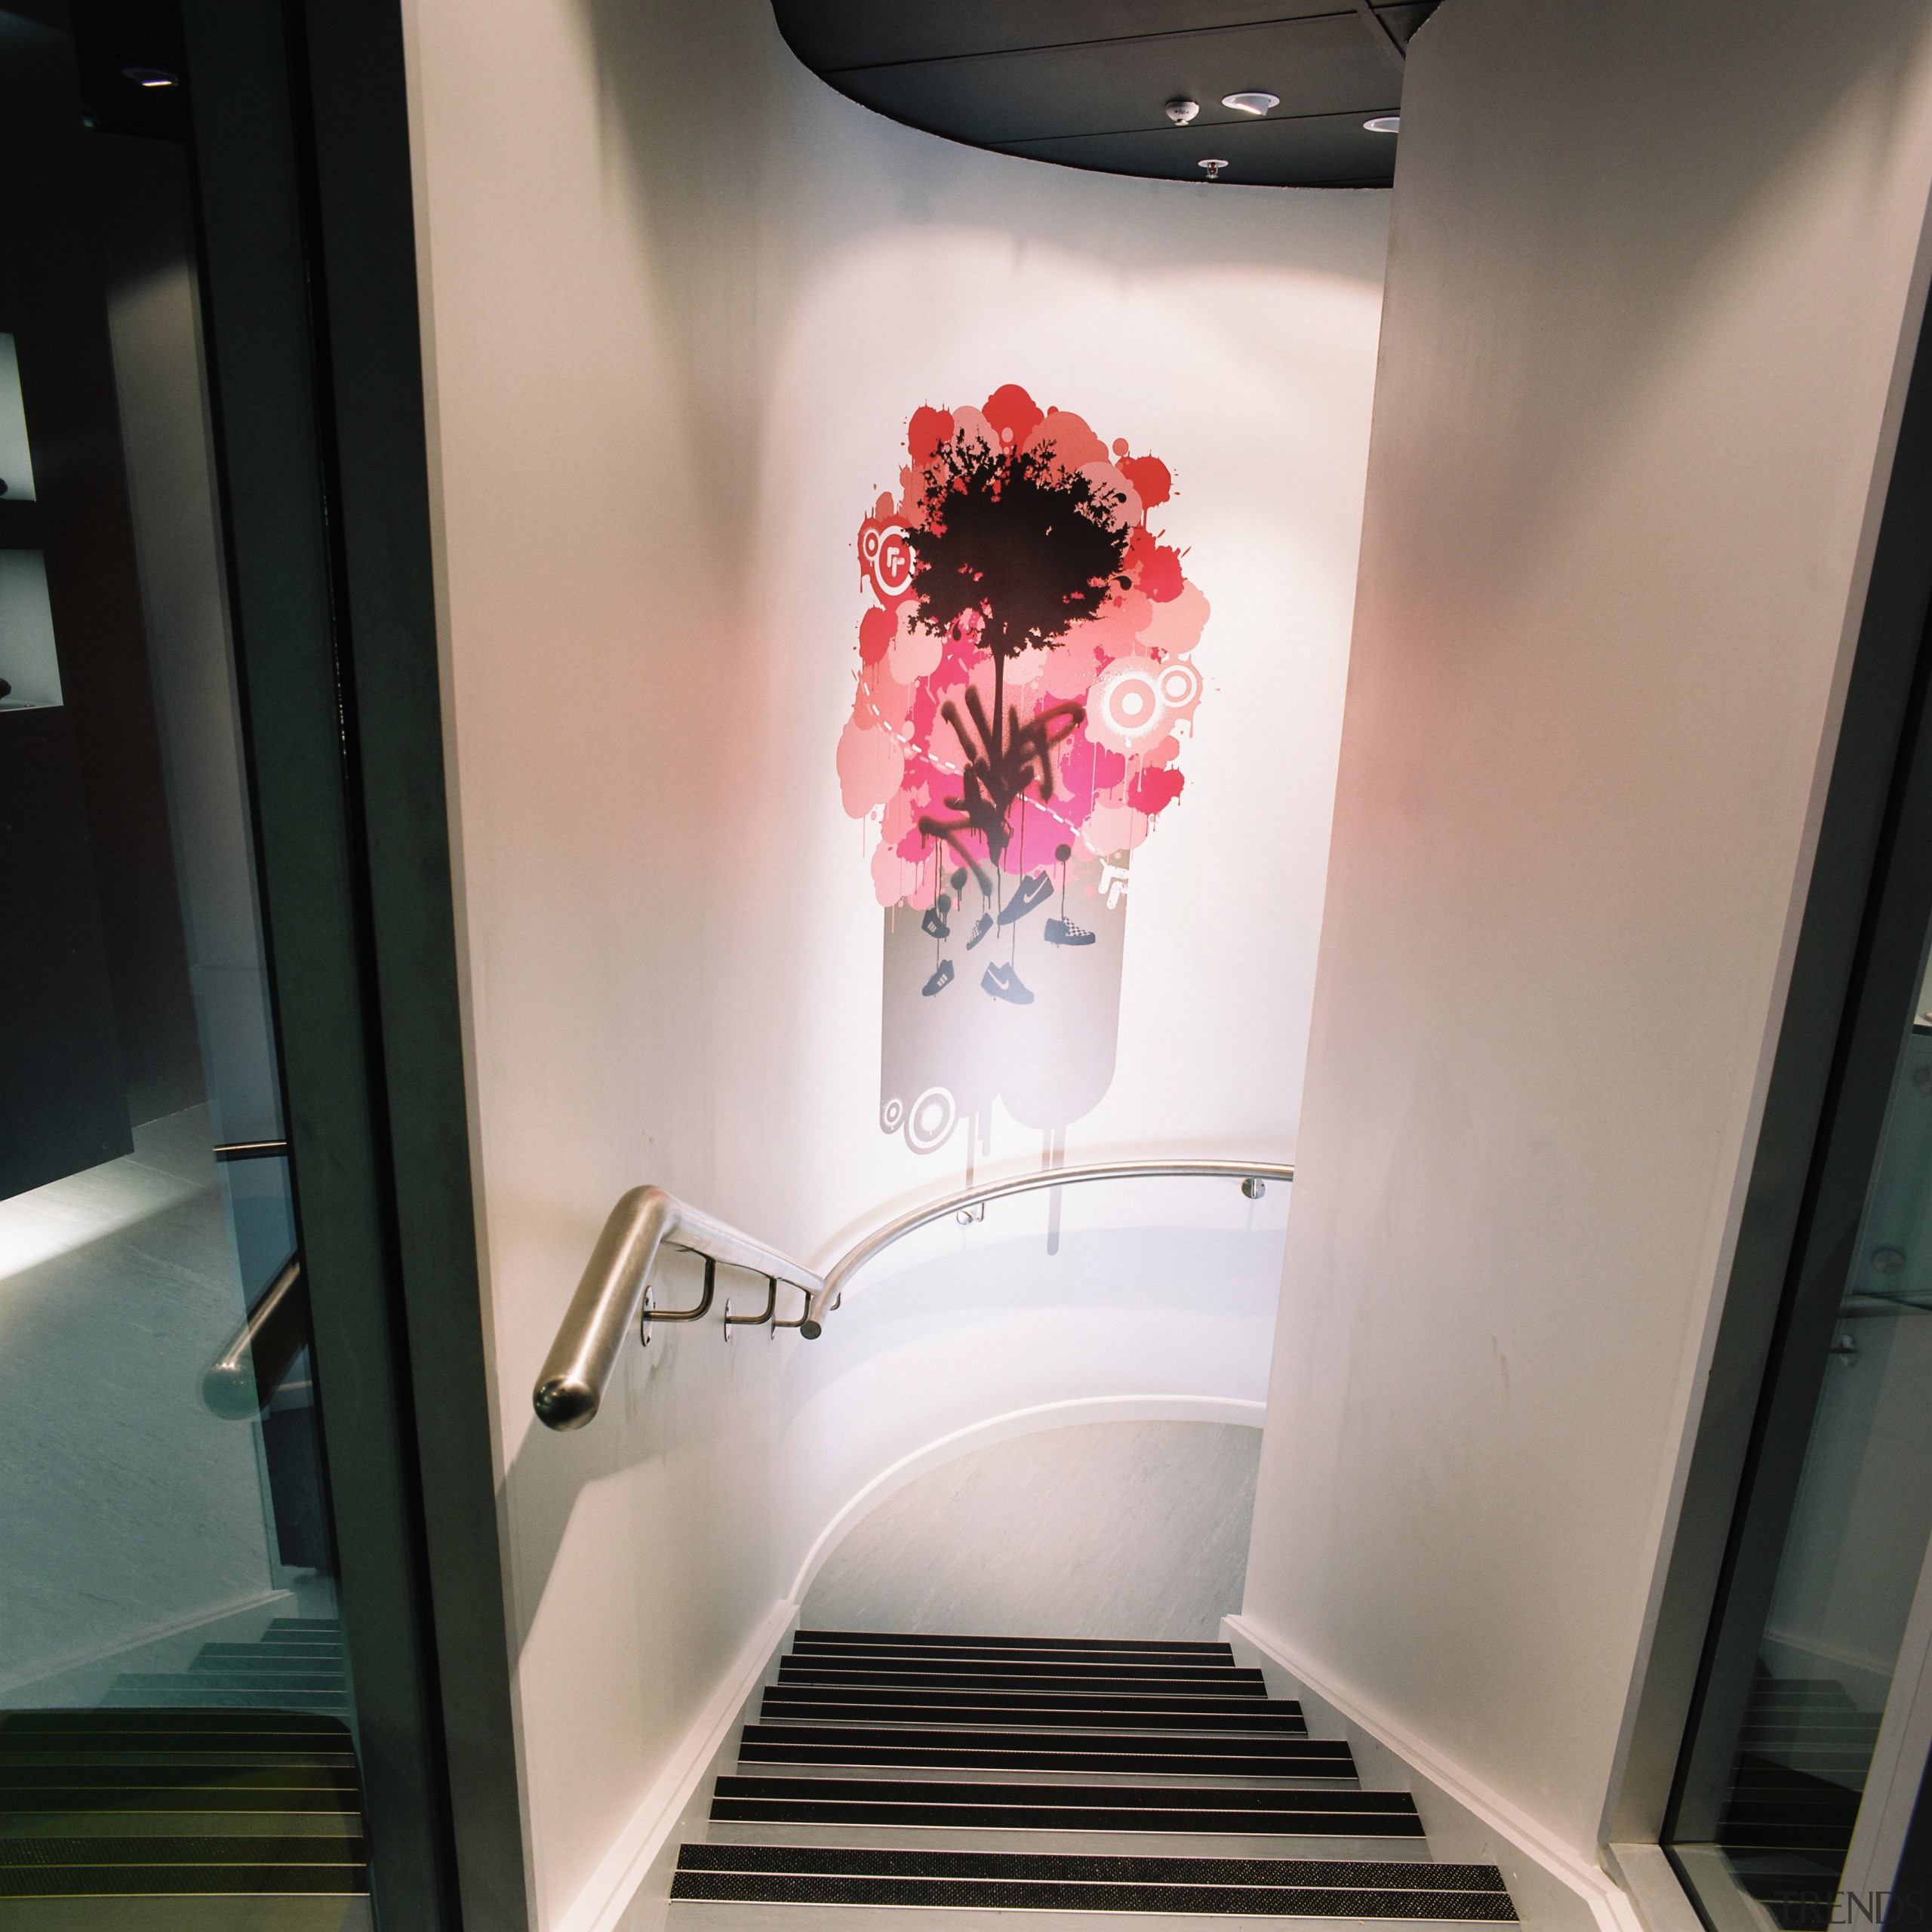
<point x="611" y="1294"/>
<point x="240" y="1381"/>
<point x="849" y="1264"/>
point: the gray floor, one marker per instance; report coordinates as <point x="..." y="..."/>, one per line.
<point x="1117" y="1529"/>
<point x="128" y="1512"/>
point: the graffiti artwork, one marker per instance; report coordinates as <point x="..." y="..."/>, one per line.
<point x="1026" y="685"/>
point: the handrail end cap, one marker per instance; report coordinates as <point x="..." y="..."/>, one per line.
<point x="228" y="1390"/>
<point x="563" y="1402"/>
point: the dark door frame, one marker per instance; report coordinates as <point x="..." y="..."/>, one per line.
<point x="1854" y="978"/>
<point x="301" y="145"/>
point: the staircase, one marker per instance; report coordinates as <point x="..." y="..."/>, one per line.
<point x="298" y="1664"/>
<point x="1803" y="1755"/>
<point x="222" y="1798"/>
<point x="1050" y="1776"/>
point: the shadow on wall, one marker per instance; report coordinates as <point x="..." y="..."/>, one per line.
<point x="1120" y="1529"/>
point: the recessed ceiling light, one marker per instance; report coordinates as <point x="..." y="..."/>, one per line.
<point x="151" y="77"/>
<point x="1250" y="103"/>
<point x="1182" y="111"/>
<point x="1385" y="123"/>
<point x="1214" y="168"/>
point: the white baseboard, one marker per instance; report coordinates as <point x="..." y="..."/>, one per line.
<point x="630" y="1890"/>
<point x="1555" y="1889"/>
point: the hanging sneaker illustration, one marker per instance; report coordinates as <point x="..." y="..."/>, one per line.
<point x="941" y="978"/>
<point x="934" y="921"/>
<point x="1064" y="932"/>
<point x="982" y="925"/>
<point x="1003" y="982"/>
<point x="1030" y="893"/>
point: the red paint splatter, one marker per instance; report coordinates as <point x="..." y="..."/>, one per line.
<point x="1119" y="770"/>
<point x="1154" y="789"/>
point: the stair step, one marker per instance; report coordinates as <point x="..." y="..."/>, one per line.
<point x="255" y="1848"/>
<point x="1045" y="1751"/>
<point x="329" y="1656"/>
<point x="1001" y="1653"/>
<point x="792" y="1702"/>
<point x="179" y="1694"/>
<point x="183" y="1774"/>
<point x="1100" y="1646"/>
<point x="1176" y="1808"/>
<point x="59" y="1881"/>
<point x="187" y="1800"/>
<point x="1035" y="1882"/>
<point x="1179" y="1680"/>
<point x="266" y="1670"/>
<point x="104" y="1729"/>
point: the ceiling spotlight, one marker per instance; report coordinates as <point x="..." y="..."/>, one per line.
<point x="1180" y="112"/>
<point x="1214" y="168"/>
<point x="151" y="77"/>
<point x="1250" y="103"/>
<point x="1385" y="123"/>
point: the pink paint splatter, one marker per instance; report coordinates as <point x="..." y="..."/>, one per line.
<point x="1126" y="667"/>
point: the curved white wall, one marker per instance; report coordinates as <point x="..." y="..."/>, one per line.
<point x="680" y="300"/>
<point x="1655" y="280"/>
<point x="1101" y="1529"/>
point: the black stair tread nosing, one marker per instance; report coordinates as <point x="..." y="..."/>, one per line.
<point x="1237" y="1698"/>
<point x="837" y="1682"/>
<point x="1127" y="1669"/>
<point x="969" y="1659"/>
<point x="937" y="1793"/>
<point x="296" y="1663"/>
<point x="1058" y="1895"/>
<point x="198" y="1776"/>
<point x="190" y="1718"/>
<point x="1231" y="1689"/>
<point x="933" y="1707"/>
<point x="1197" y="1646"/>
<point x="23" y="1770"/>
<point x="69" y="1881"/>
<point x="909" y="1737"/>
<point x="936" y="1757"/>
<point x="184" y="1849"/>
<point x="1067" y="1818"/>
<point x="180" y="1799"/>
<point x="861" y="1757"/>
<point x="895" y="1861"/>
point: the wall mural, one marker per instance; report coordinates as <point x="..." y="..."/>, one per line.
<point x="1026" y="685"/>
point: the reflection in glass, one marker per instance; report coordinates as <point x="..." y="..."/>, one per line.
<point x="154" y="1554"/>
<point x="1806" y="1825"/>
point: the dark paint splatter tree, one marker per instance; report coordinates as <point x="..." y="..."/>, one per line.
<point x="1030" y="547"/>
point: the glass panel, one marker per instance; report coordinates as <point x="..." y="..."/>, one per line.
<point x="1809" y="1724"/>
<point x="168" y="1578"/>
<point x="30" y="667"/>
<point x="15" y="462"/>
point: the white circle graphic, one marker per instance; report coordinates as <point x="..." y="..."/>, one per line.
<point x="930" y="1122"/>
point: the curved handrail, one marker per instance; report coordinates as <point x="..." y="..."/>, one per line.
<point x="240" y="1382"/>
<point x="610" y="1295"/>
<point x="854" y="1258"/>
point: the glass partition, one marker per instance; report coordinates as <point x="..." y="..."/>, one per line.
<point x="1805" y="1757"/>
<point x="175" y="1707"/>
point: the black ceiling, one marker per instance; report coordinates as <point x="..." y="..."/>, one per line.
<point x="1086" y="82"/>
